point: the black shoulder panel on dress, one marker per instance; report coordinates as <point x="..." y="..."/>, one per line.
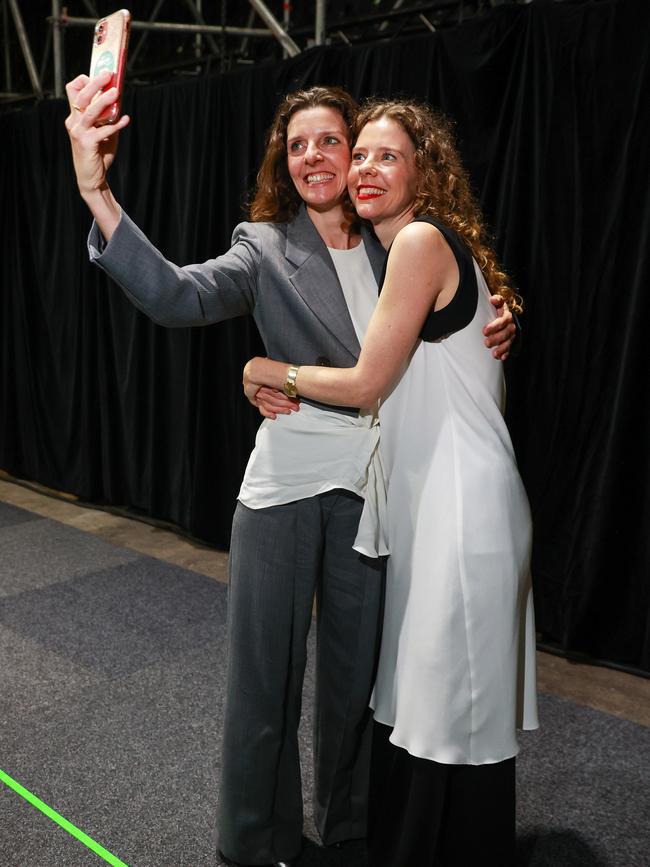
<point x="462" y="308"/>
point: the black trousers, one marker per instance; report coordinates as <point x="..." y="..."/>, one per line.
<point x="426" y="814"/>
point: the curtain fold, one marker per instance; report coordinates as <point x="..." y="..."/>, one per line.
<point x="550" y="105"/>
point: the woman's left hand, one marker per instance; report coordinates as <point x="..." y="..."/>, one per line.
<point x="500" y="333"/>
<point x="270" y="402"/>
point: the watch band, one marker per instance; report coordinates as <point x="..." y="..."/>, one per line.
<point x="289" y="387"/>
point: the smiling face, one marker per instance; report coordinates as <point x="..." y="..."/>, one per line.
<point x="383" y="176"/>
<point x="318" y="156"/>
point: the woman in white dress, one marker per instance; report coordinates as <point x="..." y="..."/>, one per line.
<point x="456" y="675"/>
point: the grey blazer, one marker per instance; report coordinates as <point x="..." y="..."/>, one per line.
<point x="281" y="273"/>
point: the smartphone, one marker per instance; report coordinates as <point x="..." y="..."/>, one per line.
<point x="110" y="44"/>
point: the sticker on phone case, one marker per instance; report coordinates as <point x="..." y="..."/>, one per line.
<point x="106" y="60"/>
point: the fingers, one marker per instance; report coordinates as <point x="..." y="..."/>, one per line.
<point x="77" y="89"/>
<point x="270" y="402"/>
<point x="74" y="87"/>
<point x="111" y="128"/>
<point x="86" y="100"/>
<point x="499" y="323"/>
<point x="276" y="401"/>
<point x="498" y="302"/>
<point x="276" y="409"/>
<point x="502" y="336"/>
<point x="85" y="119"/>
<point x="92" y="112"/>
<point x="501" y="351"/>
<point x="87" y="89"/>
<point x="260" y="405"/>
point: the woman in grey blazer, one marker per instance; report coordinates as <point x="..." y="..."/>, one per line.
<point x="280" y="271"/>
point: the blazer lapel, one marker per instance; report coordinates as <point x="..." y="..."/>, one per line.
<point x="316" y="281"/>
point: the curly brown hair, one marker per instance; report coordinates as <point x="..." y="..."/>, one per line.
<point x="443" y="188"/>
<point x="276" y="199"/>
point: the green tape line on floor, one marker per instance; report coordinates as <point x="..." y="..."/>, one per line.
<point x="55" y="817"/>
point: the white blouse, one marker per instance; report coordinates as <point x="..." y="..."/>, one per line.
<point x="316" y="450"/>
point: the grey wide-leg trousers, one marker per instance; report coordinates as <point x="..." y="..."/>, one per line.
<point x="280" y="557"/>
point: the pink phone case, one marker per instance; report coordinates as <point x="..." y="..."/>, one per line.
<point x="110" y="44"/>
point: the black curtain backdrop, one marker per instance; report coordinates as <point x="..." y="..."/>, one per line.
<point x="551" y="105"/>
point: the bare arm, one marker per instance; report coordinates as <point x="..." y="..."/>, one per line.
<point x="420" y="267"/>
<point x="93" y="148"/>
<point x="499" y="336"/>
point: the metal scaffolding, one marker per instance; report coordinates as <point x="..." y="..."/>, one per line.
<point x="205" y="35"/>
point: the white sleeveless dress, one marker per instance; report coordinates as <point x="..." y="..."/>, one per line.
<point x="456" y="673"/>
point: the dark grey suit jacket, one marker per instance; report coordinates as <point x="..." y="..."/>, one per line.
<point x="281" y="273"/>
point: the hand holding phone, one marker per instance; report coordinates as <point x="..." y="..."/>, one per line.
<point x="110" y="45"/>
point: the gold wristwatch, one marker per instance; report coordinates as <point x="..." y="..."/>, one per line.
<point x="289" y="387"/>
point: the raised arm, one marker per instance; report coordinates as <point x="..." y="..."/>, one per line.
<point x="421" y="266"/>
<point x="94" y="148"/>
<point x="169" y="294"/>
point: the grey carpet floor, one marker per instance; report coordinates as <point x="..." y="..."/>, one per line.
<point x="111" y="678"/>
